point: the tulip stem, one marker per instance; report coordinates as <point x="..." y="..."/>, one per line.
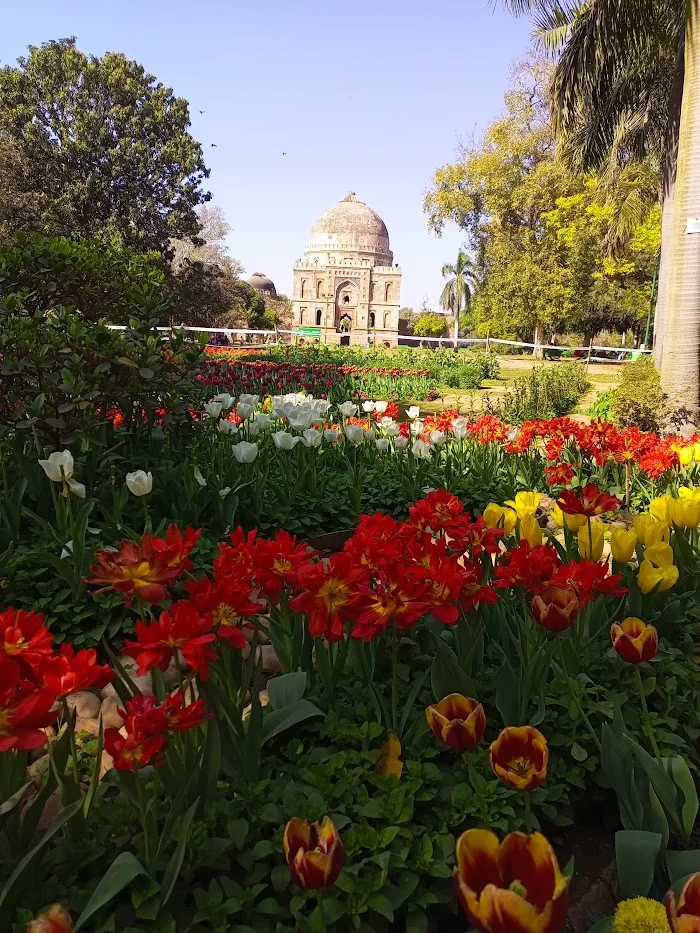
<point x="70" y="726"/>
<point x="648" y="728"/>
<point x="322" y="912"/>
<point x="476" y="785"/>
<point x="528" y="813"/>
<point x="573" y="693"/>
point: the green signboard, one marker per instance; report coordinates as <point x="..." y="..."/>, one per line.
<point x="307" y="332"/>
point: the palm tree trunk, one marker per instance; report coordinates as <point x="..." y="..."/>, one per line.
<point x="668" y="189"/>
<point x="680" y="366"/>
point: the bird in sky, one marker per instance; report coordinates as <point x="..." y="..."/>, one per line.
<point x="284" y="153"/>
<point x="202" y="111"/>
<point x="214" y="146"/>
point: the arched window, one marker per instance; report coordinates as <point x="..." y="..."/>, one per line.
<point x="319" y="315"/>
<point x="371" y="319"/>
<point x="387" y="320"/>
<point x="302" y="291"/>
<point x="319" y="290"/>
<point x="387" y="291"/>
<point x="346" y="299"/>
<point x="372" y="291"/>
<point x="302" y="315"/>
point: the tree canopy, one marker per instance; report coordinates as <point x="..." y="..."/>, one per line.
<point x="542" y="234"/>
<point x="103" y="145"/>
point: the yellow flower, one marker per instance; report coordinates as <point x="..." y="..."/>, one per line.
<point x="684" y="513"/>
<point x="622" y="544"/>
<point x="696" y="450"/>
<point x="525" y="503"/>
<point x="389" y="762"/>
<point x="496" y="516"/>
<point x="573" y="522"/>
<point x="640" y="915"/>
<point x="660" y="555"/>
<point x="661" y="578"/>
<point x="590" y="546"/>
<point x="530" y="530"/>
<point x="685" y="455"/>
<point x="689" y="492"/>
<point x="651" y="531"/>
<point x="659" y="507"/>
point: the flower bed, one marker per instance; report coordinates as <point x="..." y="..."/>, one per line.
<point x="441" y="676"/>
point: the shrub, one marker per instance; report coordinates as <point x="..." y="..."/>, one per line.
<point x="639" y="399"/>
<point x="545" y="392"/>
<point x="602" y="407"/>
<point x="430" y="325"/>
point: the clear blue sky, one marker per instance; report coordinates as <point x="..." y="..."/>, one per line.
<point x="369" y="96"/>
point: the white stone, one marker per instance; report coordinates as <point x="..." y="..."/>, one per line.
<point x="85" y="704"/>
<point x="110" y="717"/>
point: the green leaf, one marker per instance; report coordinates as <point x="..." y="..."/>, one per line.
<point x="120" y="873"/>
<point x="636" y="852"/>
<point x="688" y="802"/>
<point x="417" y="922"/>
<point x="382" y="905"/>
<point x="679" y="863"/>
<point x="446" y="676"/>
<point x="602" y="926"/>
<point x="578" y="753"/>
<point x="286" y="689"/>
<point x="238" y="831"/>
<point x="172" y="872"/>
<point x="280" y="720"/>
<point x="507" y="694"/>
<point x="12" y="801"/>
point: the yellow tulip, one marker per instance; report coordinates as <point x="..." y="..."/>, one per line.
<point x="530" y="530"/>
<point x="696" y="453"/>
<point x="590" y="546"/>
<point x="496" y="516"/>
<point x="685" y="455"/>
<point x="650" y="530"/>
<point x="650" y="577"/>
<point x="525" y="503"/>
<point x="684" y="513"/>
<point x="557" y="514"/>
<point x="659" y="507"/>
<point x="689" y="492"/>
<point x="622" y="544"/>
<point x="573" y="522"/>
<point x="660" y="555"/>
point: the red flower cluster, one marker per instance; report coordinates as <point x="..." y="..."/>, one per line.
<point x="145" y="570"/>
<point x="33" y="677"/>
<point x="147" y="725"/>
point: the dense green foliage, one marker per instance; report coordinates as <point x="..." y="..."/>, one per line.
<point x="430" y="324"/>
<point x="545" y="392"/>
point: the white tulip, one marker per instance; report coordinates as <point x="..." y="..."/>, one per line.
<point x="459" y="428"/>
<point x="59" y="466"/>
<point x="249" y="399"/>
<point x="381" y="407"/>
<point x="331" y="435"/>
<point x="227" y="427"/>
<point x="198" y="476"/>
<point x="416" y="427"/>
<point x="139" y="483"/>
<point x="312" y="437"/>
<point x="262" y="421"/>
<point x="224" y="492"/>
<point x="368" y="406"/>
<point x="322" y="406"/>
<point x="437" y="437"/>
<point x="285" y="441"/>
<point x="370" y="434"/>
<point x="347" y="409"/>
<point x="412" y="412"/>
<point x="392" y="429"/>
<point x="302" y="420"/>
<point x="245" y="452"/>
<point x="355" y="433"/>
<point x="512" y="434"/>
<point x="78" y="489"/>
<point x="225" y="399"/>
<point x="244" y="410"/>
<point x="401" y="443"/>
<point x="421" y="450"/>
<point x="213" y="409"/>
<point x="67" y="550"/>
<point x="383" y="444"/>
<point x="253" y="428"/>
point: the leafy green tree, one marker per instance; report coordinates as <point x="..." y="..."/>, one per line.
<point x="627" y="83"/>
<point x="430" y="324"/>
<point x="457" y="294"/>
<point x="104" y="144"/>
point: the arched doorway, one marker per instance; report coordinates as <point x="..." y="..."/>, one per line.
<point x="346" y="300"/>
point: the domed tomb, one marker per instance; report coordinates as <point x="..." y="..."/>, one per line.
<point x="261" y="283"/>
<point x="347" y="288"/>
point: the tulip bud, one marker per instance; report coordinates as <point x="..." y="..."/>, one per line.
<point x="382" y="444"/>
<point x="591" y="539"/>
<point x="555" y="608"/>
<point x="685" y="455"/>
<point x="314" y="852"/>
<point x="530" y="531"/>
<point x="458" y="721"/>
<point x="139" y="483"/>
<point x="59" y="466"/>
<point x="421" y="450"/>
<point x="622" y="544"/>
<point x="684" y="914"/>
<point x="401" y="443"/>
<point x="634" y="641"/>
<point x="244" y="452"/>
<point x="413" y="412"/>
<point x="355" y="434"/>
<point x="525" y="503"/>
<point x="54" y="920"/>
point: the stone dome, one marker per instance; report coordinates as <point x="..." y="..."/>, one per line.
<point x="261" y="283"/>
<point x="350" y="226"/>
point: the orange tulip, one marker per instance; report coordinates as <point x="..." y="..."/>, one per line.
<point x="684" y="916"/>
<point x="55" y="919"/>
<point x="634" y="641"/>
<point x="519" y="757"/>
<point x="458" y="721"/>
<point x="555" y="608"/>
<point x="314" y="852"/>
<point x="512" y="887"/>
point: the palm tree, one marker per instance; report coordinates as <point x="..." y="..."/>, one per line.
<point x="627" y="83"/>
<point x="457" y="294"/>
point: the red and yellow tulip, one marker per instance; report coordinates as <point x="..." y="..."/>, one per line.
<point x="519" y="757"/>
<point x="458" y="721"/>
<point x="511" y="887"/>
<point x="314" y="852"/>
<point x="634" y="641"/>
<point x="555" y="608"/>
<point x="684" y="915"/>
<point x="55" y="919"/>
